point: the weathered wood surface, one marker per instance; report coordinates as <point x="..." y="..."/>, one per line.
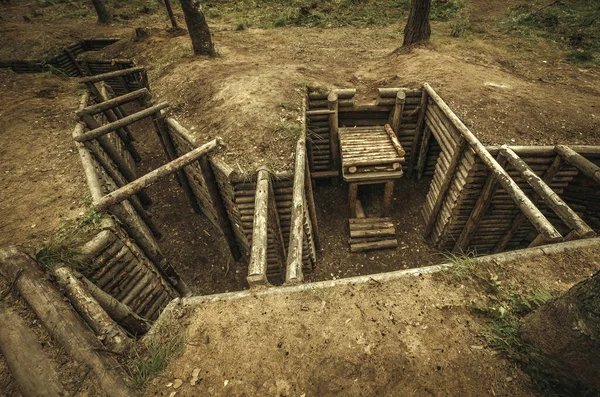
<point x="35" y="374"/>
<point x="257" y="268"/>
<point x="111" y="75"/>
<point x="61" y="321"/>
<point x="588" y="168"/>
<point x="296" y="241"/>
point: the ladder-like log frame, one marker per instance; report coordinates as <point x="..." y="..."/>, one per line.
<point x="110" y="75"/>
<point x="535" y="216"/>
<point x="257" y="268"/>
<point x="109" y="104"/>
<point x="294" y="259"/>
<point x="334" y="139"/>
<point x="479" y="209"/>
<point x="584" y="165"/>
<point x="152" y="177"/>
<point x="549" y="196"/>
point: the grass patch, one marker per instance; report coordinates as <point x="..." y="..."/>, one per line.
<point x="151" y="356"/>
<point x="575" y="24"/>
<point x="61" y="247"/>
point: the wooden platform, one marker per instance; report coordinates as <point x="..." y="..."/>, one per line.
<point x="370" y="154"/>
<point x="367" y="234"/>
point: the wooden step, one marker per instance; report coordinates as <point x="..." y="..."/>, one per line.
<point x="367" y="234"/>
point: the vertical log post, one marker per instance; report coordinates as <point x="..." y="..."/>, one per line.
<point x="423" y="152"/>
<point x="418" y="133"/>
<point x="352" y="198"/>
<point x="294" y="260"/>
<point x="257" y="269"/>
<point x="395" y="118"/>
<point x="387" y="197"/>
<point x="334" y="140"/>
<point x="479" y="209"/>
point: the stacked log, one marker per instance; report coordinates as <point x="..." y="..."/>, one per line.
<point x="367" y="234"/>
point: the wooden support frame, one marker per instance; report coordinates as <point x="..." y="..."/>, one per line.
<point x="584" y="165"/>
<point x="538" y="220"/>
<point x="311" y="207"/>
<point x="108" y="104"/>
<point x="479" y="209"/>
<point x="334" y="139"/>
<point x="294" y="260"/>
<point x="106" y="128"/>
<point x="150" y="178"/>
<point x="275" y="229"/>
<point x="560" y="208"/>
<point x="257" y="268"/>
<point x="423" y="152"/>
<point x="111" y="75"/>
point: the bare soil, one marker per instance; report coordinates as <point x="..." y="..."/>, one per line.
<point x="412" y="336"/>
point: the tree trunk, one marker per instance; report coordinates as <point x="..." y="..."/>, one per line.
<point x="567" y="329"/>
<point x="417" y="27"/>
<point x="170" y="12"/>
<point x="103" y="14"/>
<point x="198" y="28"/>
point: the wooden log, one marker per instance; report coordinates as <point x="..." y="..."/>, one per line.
<point x="332" y="104"/>
<point x="376" y="245"/>
<point x="33" y="371"/>
<point x="111" y="335"/>
<point x="111" y="75"/>
<point x="584" y="165"/>
<point x="114" y="102"/>
<point x="394" y="138"/>
<point x="61" y="322"/>
<point x="396" y="115"/>
<point x="147" y="180"/>
<point x="310" y="206"/>
<point x="257" y="268"/>
<point x="417" y="135"/>
<point x="448" y="176"/>
<point x="295" y="247"/>
<point x="479" y="209"/>
<point x="275" y="229"/>
<point x="423" y="152"/>
<point x="106" y="128"/>
<point x="372" y="233"/>
<point x="508" y="184"/>
<point x="387" y="197"/>
<point x="352" y="199"/>
<point x="550" y="198"/>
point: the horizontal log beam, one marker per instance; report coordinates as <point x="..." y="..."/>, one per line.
<point x="114" y="102"/>
<point x="111" y="75"/>
<point x="584" y="165"/>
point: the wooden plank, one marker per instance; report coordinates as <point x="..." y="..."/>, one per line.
<point x="295" y="247"/>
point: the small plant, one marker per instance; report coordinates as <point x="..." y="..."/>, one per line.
<point x="463" y="264"/>
<point x="7" y="70"/>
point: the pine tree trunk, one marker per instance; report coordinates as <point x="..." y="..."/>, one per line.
<point x="170" y="12"/>
<point x="197" y="27"/>
<point x="417" y="27"/>
<point x="103" y="14"/>
<point x="567" y="329"/>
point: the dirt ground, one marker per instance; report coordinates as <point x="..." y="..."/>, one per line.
<point x="414" y="336"/>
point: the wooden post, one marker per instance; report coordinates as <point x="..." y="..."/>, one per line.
<point x="33" y="371"/>
<point x="521" y="218"/>
<point x="150" y="178"/>
<point x="62" y="323"/>
<point x="310" y="204"/>
<point x="534" y="215"/>
<point x="584" y="165"/>
<point x="275" y="229"/>
<point x="439" y="200"/>
<point x="75" y="63"/>
<point x="479" y="209"/>
<point x="560" y="208"/>
<point x="257" y="268"/>
<point x="423" y="152"/>
<point x="418" y="132"/>
<point x="395" y="118"/>
<point x="352" y="198"/>
<point x="294" y="260"/>
<point x="387" y="197"/>
<point x="334" y="140"/>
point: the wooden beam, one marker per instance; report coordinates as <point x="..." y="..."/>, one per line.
<point x="257" y="268"/>
<point x="397" y="145"/>
<point x="535" y="216"/>
<point x="549" y="196"/>
<point x="111" y="75"/>
<point x="521" y="218"/>
<point x="311" y="207"/>
<point x="275" y="229"/>
<point x="448" y="177"/>
<point x="584" y="165"/>
<point x="352" y="198"/>
<point x="334" y="140"/>
<point x="150" y="178"/>
<point x="412" y="163"/>
<point x="387" y="197"/>
<point x="106" y="128"/>
<point x="294" y="260"/>
<point x="423" y="152"/>
<point x="142" y="93"/>
<point x="479" y="209"/>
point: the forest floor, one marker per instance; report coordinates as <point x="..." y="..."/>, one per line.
<point x="507" y="88"/>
